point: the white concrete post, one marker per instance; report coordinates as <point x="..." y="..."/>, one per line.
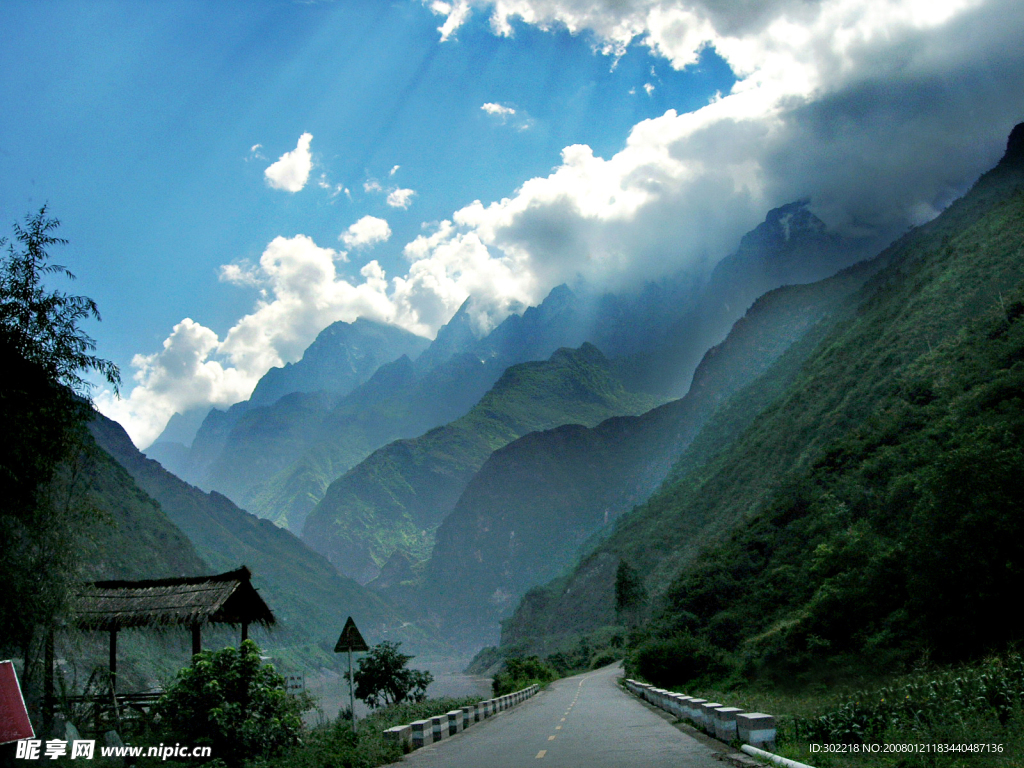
<point x="756" y="729"/>
<point x="440" y="725"/>
<point x="725" y="723"/>
<point x="422" y="733"/>
<point x="401" y="735"/>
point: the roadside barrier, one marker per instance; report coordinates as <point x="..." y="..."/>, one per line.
<point x="423" y="732"/>
<point x="724" y="723"/>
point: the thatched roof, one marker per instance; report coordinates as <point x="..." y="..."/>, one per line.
<point x="227" y="598"/>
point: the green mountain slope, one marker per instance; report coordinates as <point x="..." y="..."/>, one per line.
<point x="392" y="405"/>
<point x="395" y="498"/>
<point x="277" y="457"/>
<point x="525" y="515"/>
<point x="308" y="596"/>
<point x="852" y="397"/>
<point x="130" y="536"/>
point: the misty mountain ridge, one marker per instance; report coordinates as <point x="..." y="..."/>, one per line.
<point x="277" y="460"/>
<point x="857" y="507"/>
<point x="309" y="598"/>
<point x="343" y="356"/>
<point x="535" y="503"/>
<point x="395" y="498"/>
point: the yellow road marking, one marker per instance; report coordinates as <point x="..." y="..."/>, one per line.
<point x="551" y="737"/>
<point x="563" y="720"/>
<point x="558" y="727"/>
<point x="541" y="753"/>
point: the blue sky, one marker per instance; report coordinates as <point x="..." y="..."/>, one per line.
<point x="148" y="129"/>
<point x="134" y="121"/>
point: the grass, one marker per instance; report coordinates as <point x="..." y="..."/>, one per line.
<point x="957" y="717"/>
<point x="335" y="746"/>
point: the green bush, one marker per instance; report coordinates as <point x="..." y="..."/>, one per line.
<point x="231" y="701"/>
<point x="520" y="673"/>
<point x="680" y="660"/>
<point x="603" y="658"/>
<point x="333" y="745"/>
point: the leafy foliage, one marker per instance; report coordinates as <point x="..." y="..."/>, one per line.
<point x="43" y="323"/>
<point x="233" y="702"/>
<point x="382" y="680"/>
<point x="518" y="673"/>
<point x="43" y="356"/>
<point x="333" y="745"/>
<point x="675" y="661"/>
<point x="630" y="594"/>
<point x="994" y="688"/>
<point x="871" y="517"/>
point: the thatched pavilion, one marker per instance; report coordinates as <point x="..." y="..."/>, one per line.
<point x="225" y="598"/>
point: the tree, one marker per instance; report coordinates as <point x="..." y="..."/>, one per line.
<point x="43" y="412"/>
<point x="231" y="701"/>
<point x="44" y="324"/>
<point x="630" y="594"/>
<point x="381" y="678"/>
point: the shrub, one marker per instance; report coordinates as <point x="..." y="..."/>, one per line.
<point x="603" y="658"/>
<point x="231" y="701"/>
<point x="520" y="673"/>
<point x="680" y="660"/>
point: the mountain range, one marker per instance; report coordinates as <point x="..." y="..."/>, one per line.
<point x="506" y="476"/>
<point x="856" y="508"/>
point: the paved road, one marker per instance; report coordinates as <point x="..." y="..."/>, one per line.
<point x="586" y="721"/>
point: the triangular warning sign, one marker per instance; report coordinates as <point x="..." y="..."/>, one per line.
<point x="350" y="639"/>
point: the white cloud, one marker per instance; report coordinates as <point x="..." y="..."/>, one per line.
<point x="394" y="170"/>
<point x="302" y="294"/>
<point x="291" y="171"/>
<point x="335" y="189"/>
<point x="456" y="14"/>
<point x="179" y="377"/>
<point x="878" y="111"/>
<point x="649" y="87"/>
<point x="497" y="109"/>
<point x="365" y="232"/>
<point x="504" y="112"/>
<point x="400" y="198"/>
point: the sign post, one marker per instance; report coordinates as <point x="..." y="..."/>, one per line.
<point x="350" y="641"/>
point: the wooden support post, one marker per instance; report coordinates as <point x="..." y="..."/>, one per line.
<point x="245" y="632"/>
<point x="48" y="692"/>
<point x="113" y="660"/>
<point x="197" y="638"/>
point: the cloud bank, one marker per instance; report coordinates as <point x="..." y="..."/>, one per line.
<point x="880" y="112"/>
<point x="291" y="171"/>
<point x="300" y="293"/>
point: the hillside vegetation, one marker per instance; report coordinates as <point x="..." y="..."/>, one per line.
<point x="870" y="517"/>
<point x="404" y="490"/>
<point x="310" y="599"/>
<point x="535" y="503"/>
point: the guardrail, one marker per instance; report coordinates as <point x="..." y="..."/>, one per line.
<point x="434" y="729"/>
<point x="724" y="723"/>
